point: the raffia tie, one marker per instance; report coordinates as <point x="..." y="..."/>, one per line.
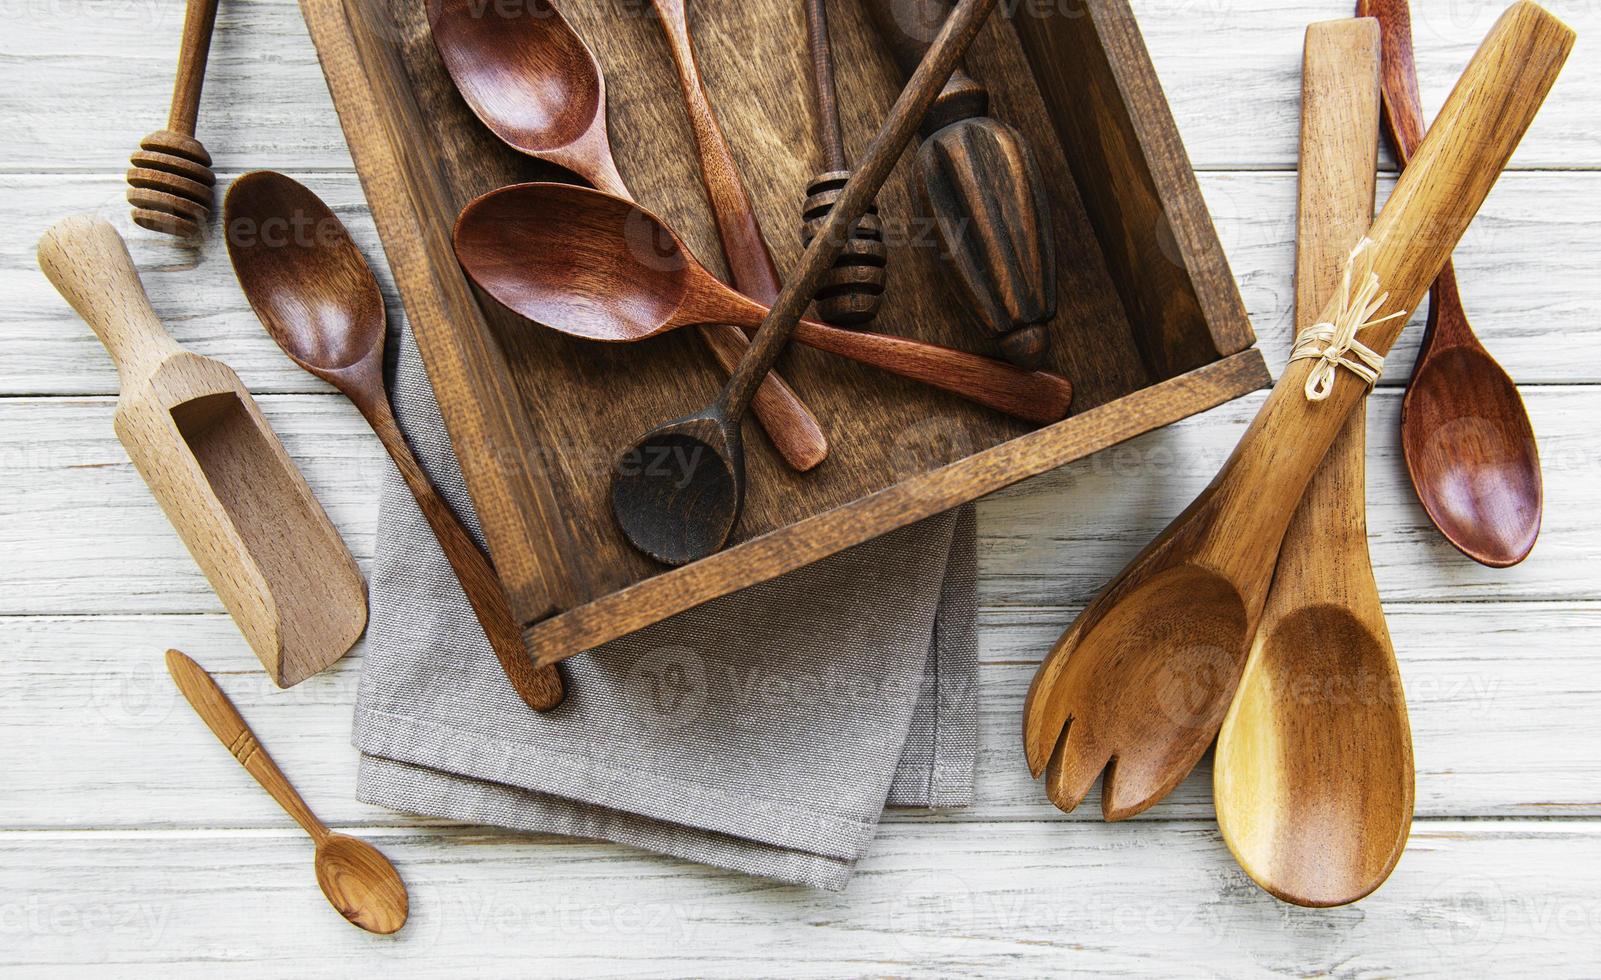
<point x="1333" y="343"/>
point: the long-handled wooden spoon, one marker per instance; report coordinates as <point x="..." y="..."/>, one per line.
<point x="317" y="297"/>
<point x="1313" y="771"/>
<point x="601" y="267"/>
<point x="1139" y="684"/>
<point x="685" y="509"/>
<point x="358" y="880"/>
<point x="533" y="81"/>
<point x="1465" y="434"/>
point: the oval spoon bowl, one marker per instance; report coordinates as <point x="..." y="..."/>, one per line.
<point x="362" y="884"/>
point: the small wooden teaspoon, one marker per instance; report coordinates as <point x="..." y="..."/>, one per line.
<point x="316" y="295"/>
<point x="357" y="879"/>
<point x="1465" y="433"/>
<point x="1313" y="772"/>
<point x="603" y="268"/>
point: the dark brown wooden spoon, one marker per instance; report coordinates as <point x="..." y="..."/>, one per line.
<point x="678" y="491"/>
<point x="315" y="294"/>
<point x="1465" y="434"/>
<point x="603" y="268"/>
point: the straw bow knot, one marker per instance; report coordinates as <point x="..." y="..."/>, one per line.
<point x="1333" y="343"/>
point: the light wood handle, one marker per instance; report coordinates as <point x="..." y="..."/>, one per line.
<point x="88" y="263"/>
<point x="225" y="722"/>
<point x="1458" y="162"/>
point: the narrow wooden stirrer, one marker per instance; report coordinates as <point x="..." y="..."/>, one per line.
<point x="678" y="491"/>
<point x="170" y="185"/>
<point x="853" y="289"/>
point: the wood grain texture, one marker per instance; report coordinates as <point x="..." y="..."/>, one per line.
<point x="170" y="183"/>
<point x="549" y="482"/>
<point x="215" y="466"/>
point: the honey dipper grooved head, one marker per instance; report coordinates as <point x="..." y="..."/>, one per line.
<point x="170" y="184"/>
<point x="852" y="290"/>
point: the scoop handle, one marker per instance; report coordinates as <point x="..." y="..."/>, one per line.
<point x="871" y="172"/>
<point x="225" y="722"/>
<point x="88" y="263"/>
<point x="1435" y="199"/>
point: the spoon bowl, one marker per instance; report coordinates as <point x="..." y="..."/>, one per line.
<point x="1471" y="454"/>
<point x="361" y="883"/>
<point x="678" y="492"/>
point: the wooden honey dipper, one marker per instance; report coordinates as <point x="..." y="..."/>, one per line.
<point x="853" y="288"/>
<point x="171" y="180"/>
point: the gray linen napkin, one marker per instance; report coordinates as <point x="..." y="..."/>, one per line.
<point x="764" y="732"/>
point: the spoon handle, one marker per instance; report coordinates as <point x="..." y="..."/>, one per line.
<point x="540" y="687"/>
<point x="872" y="170"/>
<point x="1403" y="120"/>
<point x="225" y="722"/>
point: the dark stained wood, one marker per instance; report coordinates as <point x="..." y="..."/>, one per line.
<point x="1140" y="193"/>
<point x="984" y="191"/>
<point x="315" y="294"/>
<point x="538" y="418"/>
<point x="593" y="279"/>
<point x="1465" y="434"/>
<point x="536" y="85"/>
<point x="170" y="184"/>
<point x="1138" y="685"/>
<point x="853" y="290"/>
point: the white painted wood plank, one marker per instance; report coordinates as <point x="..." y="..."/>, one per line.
<point x="1505" y="719"/>
<point x="1526" y="266"/>
<point x="1038" y="899"/>
<point x="79" y="90"/>
<point x="83" y="535"/>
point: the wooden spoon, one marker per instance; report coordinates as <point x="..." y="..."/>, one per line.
<point x="603" y="268"/>
<point x="1140" y="682"/>
<point x="1313" y="771"/>
<point x="1465" y="434"/>
<point x="678" y="491"/>
<point x="315" y="294"/>
<point x="533" y="81"/>
<point x="357" y="879"/>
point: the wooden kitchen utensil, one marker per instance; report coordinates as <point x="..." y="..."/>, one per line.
<point x="1465" y="434"/>
<point x="603" y="268"/>
<point x="1139" y="684"/>
<point x="231" y="492"/>
<point x="854" y="287"/>
<point x="533" y="82"/>
<point x="356" y="878"/>
<point x="678" y="491"/>
<point x="1313" y="771"/>
<point x="315" y="294"/>
<point x="986" y="193"/>
<point x="170" y="185"/>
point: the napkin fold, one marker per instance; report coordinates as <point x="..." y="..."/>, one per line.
<point x="763" y="732"/>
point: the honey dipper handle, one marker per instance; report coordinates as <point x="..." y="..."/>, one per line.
<point x="225" y="722"/>
<point x="198" y="19"/>
<point x="88" y="263"/>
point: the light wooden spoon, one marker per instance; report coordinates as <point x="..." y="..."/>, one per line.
<point x="1313" y="772"/>
<point x="357" y="879"/>
<point x="1139" y="684"/>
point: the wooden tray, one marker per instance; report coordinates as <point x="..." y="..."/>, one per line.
<point x="1151" y="327"/>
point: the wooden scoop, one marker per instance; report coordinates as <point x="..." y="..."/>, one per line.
<point x="529" y="77"/>
<point x="215" y="466"/>
<point x="354" y="876"/>
<point x="1139" y="684"/>
<point x="1465" y="435"/>
<point x="315" y="294"/>
<point x="603" y="268"/>
<point x="1313" y="771"/>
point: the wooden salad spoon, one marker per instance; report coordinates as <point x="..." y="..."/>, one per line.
<point x="678" y="491"/>
<point x="355" y="876"/>
<point x="316" y="295"/>
<point x="1465" y="433"/>
<point x="1140" y="682"/>
<point x="1313" y="771"/>
<point x="601" y="267"/>
<point x="533" y="81"/>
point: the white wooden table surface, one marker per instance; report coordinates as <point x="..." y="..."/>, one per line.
<point x="128" y="839"/>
